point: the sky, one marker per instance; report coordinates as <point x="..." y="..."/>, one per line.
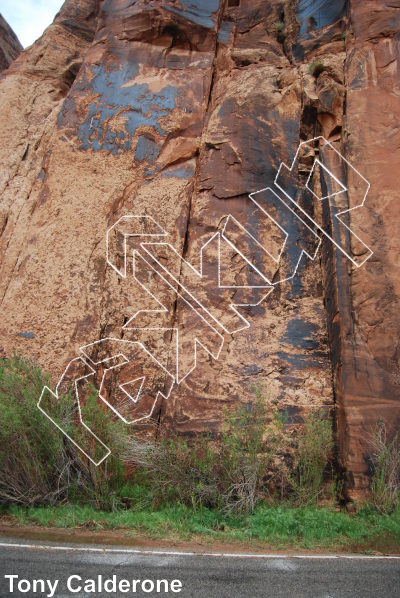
<point x="29" y="18"/>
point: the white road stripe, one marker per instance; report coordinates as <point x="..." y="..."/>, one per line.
<point x="201" y="554"/>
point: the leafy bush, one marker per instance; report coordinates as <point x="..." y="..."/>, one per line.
<point x="314" y="445"/>
<point x="38" y="464"/>
<point x="385" y="480"/>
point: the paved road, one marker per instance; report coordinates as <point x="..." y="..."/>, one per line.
<point x="201" y="576"/>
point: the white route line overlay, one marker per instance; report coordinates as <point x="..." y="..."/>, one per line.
<point x="197" y="341"/>
<point x="149" y="240"/>
<point x="121" y="386"/>
<point x="56" y="396"/>
<point x="344" y="189"/>
<point x="87" y="361"/>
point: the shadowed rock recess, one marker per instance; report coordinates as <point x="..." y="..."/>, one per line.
<point x="10" y="46"/>
<point x="178" y="110"/>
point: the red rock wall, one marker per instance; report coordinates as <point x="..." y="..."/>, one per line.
<point x="10" y="46"/>
<point x="365" y="320"/>
<point x="179" y="113"/>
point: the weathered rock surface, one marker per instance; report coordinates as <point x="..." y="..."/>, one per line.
<point x="179" y="110"/>
<point x="365" y="320"/>
<point x="10" y="46"/>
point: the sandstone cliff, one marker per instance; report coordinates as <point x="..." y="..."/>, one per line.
<point x="178" y="110"/>
<point x="10" y="46"/>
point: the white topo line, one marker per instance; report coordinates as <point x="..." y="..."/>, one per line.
<point x="149" y="235"/>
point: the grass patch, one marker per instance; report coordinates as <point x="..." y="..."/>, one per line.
<point x="278" y="526"/>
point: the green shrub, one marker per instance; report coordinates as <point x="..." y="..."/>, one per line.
<point x="316" y="68"/>
<point x="385" y="480"/>
<point x="249" y="445"/>
<point x="97" y="485"/>
<point x="38" y="464"/>
<point x="191" y="475"/>
<point x="225" y="472"/>
<point x="314" y="446"/>
<point x="180" y="471"/>
<point x="31" y="454"/>
<point x="251" y="459"/>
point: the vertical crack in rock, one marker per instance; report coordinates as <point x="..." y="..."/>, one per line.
<point x="235" y="162"/>
<point x="193" y="184"/>
<point x="321" y="72"/>
<point x="152" y="108"/>
<point x="363" y="302"/>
